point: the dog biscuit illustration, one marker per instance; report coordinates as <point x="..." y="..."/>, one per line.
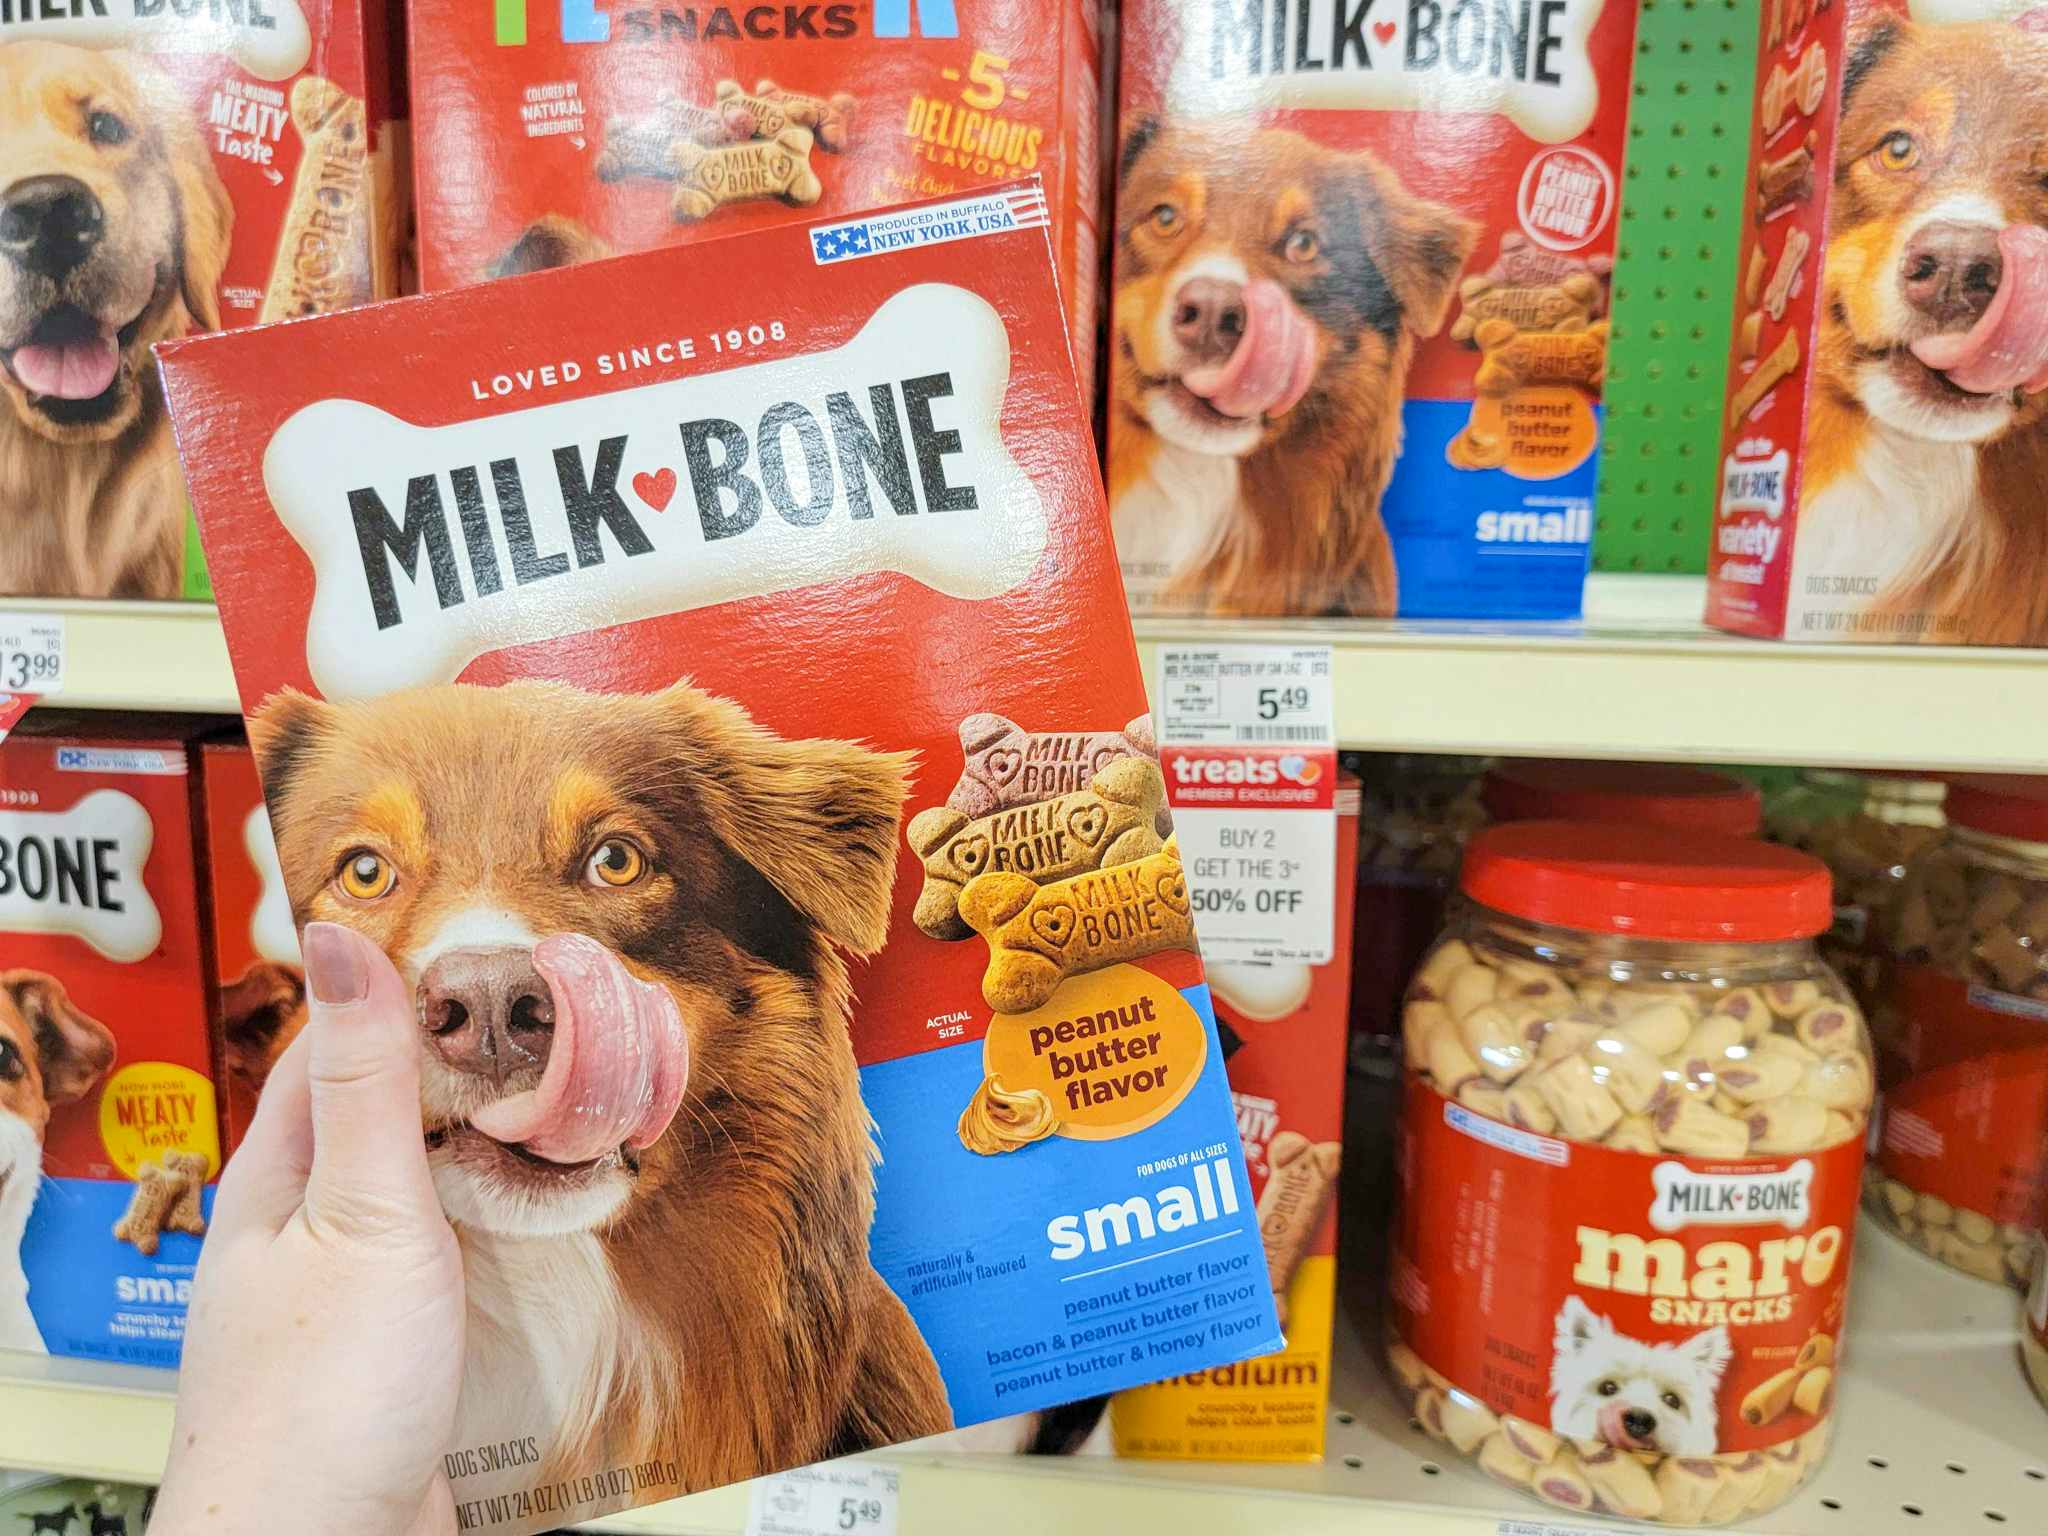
<point x="1039" y="936"/>
<point x="323" y="247"/>
<point x="1301" y="1180"/>
<point x="829" y="117"/>
<point x="708" y="179"/>
<point x="1786" y="180"/>
<point x="1112" y="821"/>
<point x="1007" y="765"/>
<point x="642" y="147"/>
<point x="1769" y="374"/>
<point x="1522" y="263"/>
<point x="1516" y="359"/>
<point x="1565" y="306"/>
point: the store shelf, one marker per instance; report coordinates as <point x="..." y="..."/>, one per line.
<point x="1937" y="1433"/>
<point x="1639" y="678"/>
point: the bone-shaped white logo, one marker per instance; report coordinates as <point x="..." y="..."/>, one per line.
<point x="271" y="933"/>
<point x="270" y="40"/>
<point x="884" y="454"/>
<point x="1943" y="13"/>
<point x="80" y="872"/>
<point x="1525" y="61"/>
<point x="1685" y="1198"/>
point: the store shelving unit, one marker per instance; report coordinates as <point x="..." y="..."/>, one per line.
<point x="1937" y="1435"/>
<point x="1641" y="677"/>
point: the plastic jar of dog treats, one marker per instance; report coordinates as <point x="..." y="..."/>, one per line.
<point x="2034" y="1328"/>
<point x="1963" y="1157"/>
<point x="1630" y="1153"/>
<point x="1642" y="794"/>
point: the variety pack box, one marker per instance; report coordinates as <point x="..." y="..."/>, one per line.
<point x="1887" y="431"/>
<point x="109" y="1136"/>
<point x="259" y="984"/>
<point x="553" y="132"/>
<point x="744" y="755"/>
<point x="1285" y="1033"/>
<point x="168" y="168"/>
<point x="1363" y="268"/>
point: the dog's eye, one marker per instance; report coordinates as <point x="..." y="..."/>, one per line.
<point x="1608" y="1388"/>
<point x="366" y="875"/>
<point x="1301" y="245"/>
<point x="1165" y="218"/>
<point x="13" y="1065"/>
<point x="1898" y="152"/>
<point x="1674" y="1402"/>
<point x="106" y="128"/>
<point x="616" y="862"/>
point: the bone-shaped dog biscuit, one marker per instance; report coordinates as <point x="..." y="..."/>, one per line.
<point x="1040" y="935"/>
<point x="829" y="117"/>
<point x="1805" y="83"/>
<point x="187" y="1173"/>
<point x="1112" y="821"/>
<point x="335" y="446"/>
<point x="1787" y="179"/>
<point x="1769" y="373"/>
<point x="708" y="179"/>
<point x="106" y="834"/>
<point x="1522" y="263"/>
<point x="1301" y="1180"/>
<point x="323" y="255"/>
<point x="643" y="146"/>
<point x="1565" y="306"/>
<point x="142" y="1225"/>
<point x="1516" y="359"/>
<point x="1007" y="765"/>
<point x="1785" y="279"/>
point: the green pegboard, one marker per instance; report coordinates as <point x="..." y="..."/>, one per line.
<point x="1674" y="282"/>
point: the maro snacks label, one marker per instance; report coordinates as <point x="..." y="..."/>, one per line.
<point x="706" y="675"/>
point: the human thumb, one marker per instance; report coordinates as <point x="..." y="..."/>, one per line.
<point x="369" y="1159"/>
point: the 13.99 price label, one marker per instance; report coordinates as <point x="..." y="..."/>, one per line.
<point x="1248" y="750"/>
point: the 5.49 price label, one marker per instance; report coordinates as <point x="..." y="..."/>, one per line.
<point x="835" y="1498"/>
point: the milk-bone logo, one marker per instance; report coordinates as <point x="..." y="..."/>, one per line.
<point x="268" y="38"/>
<point x="79" y="872"/>
<point x="583" y="22"/>
<point x="1526" y="59"/>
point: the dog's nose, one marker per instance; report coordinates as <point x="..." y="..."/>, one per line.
<point x="1950" y="272"/>
<point x="488" y="1012"/>
<point x="1639" y="1424"/>
<point x="1208" y="317"/>
<point x="49" y="224"/>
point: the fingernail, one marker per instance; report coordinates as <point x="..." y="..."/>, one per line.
<point x="336" y="971"/>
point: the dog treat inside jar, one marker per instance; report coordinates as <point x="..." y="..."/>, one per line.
<point x="1633" y="1134"/>
<point x="1961" y="1164"/>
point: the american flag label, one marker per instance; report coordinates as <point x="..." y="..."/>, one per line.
<point x="967" y="218"/>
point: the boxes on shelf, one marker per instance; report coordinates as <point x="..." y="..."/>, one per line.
<point x="166" y="173"/>
<point x="553" y="134"/>
<point x="259" y="984"/>
<point x="1886" y="424"/>
<point x="1363" y="269"/>
<point x="878" y="1010"/>
<point x="1284" y="1028"/>
<point x="109" y="1134"/>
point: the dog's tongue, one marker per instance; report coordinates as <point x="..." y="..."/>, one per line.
<point x="616" y="1067"/>
<point x="1274" y="361"/>
<point x="2008" y="346"/>
<point x="1614" y="1434"/>
<point x="68" y="370"/>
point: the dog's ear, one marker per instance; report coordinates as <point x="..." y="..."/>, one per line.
<point x="1871" y="37"/>
<point x="261" y="1011"/>
<point x="284" y="733"/>
<point x="1427" y="245"/>
<point x="1709" y="1353"/>
<point x="818" y="819"/>
<point x="206" y="215"/>
<point x="73" y="1049"/>
<point x="1579" y="1327"/>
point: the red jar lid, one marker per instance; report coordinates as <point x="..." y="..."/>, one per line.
<point x="1642" y="794"/>
<point x="1649" y="882"/>
<point x="2002" y="804"/>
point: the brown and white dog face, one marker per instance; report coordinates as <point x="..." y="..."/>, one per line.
<point x="1208" y="221"/>
<point x="460" y="827"/>
<point x="113" y="234"/>
<point x="262" y="1011"/>
<point x="51" y="1053"/>
<point x="1943" y="149"/>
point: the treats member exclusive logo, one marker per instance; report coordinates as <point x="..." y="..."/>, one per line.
<point x="268" y="38"/>
<point x="1524" y="59"/>
<point x="884" y="454"/>
<point x="583" y="22"/>
<point x="79" y="872"/>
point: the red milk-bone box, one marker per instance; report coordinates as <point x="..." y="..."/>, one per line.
<point x="706" y="674"/>
<point x="552" y="131"/>
<point x="1886" y="434"/>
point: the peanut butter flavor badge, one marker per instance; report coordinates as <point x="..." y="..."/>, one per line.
<point x="1113" y="1052"/>
<point x="152" y="1108"/>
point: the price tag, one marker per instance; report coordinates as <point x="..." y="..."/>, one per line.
<point x="1544" y="1528"/>
<point x="31" y="652"/>
<point x="1248" y="747"/>
<point x="836" y="1498"/>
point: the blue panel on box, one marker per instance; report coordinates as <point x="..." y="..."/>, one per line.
<point x="94" y="1296"/>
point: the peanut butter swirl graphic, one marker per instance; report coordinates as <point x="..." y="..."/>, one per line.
<point x="997" y="1120"/>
